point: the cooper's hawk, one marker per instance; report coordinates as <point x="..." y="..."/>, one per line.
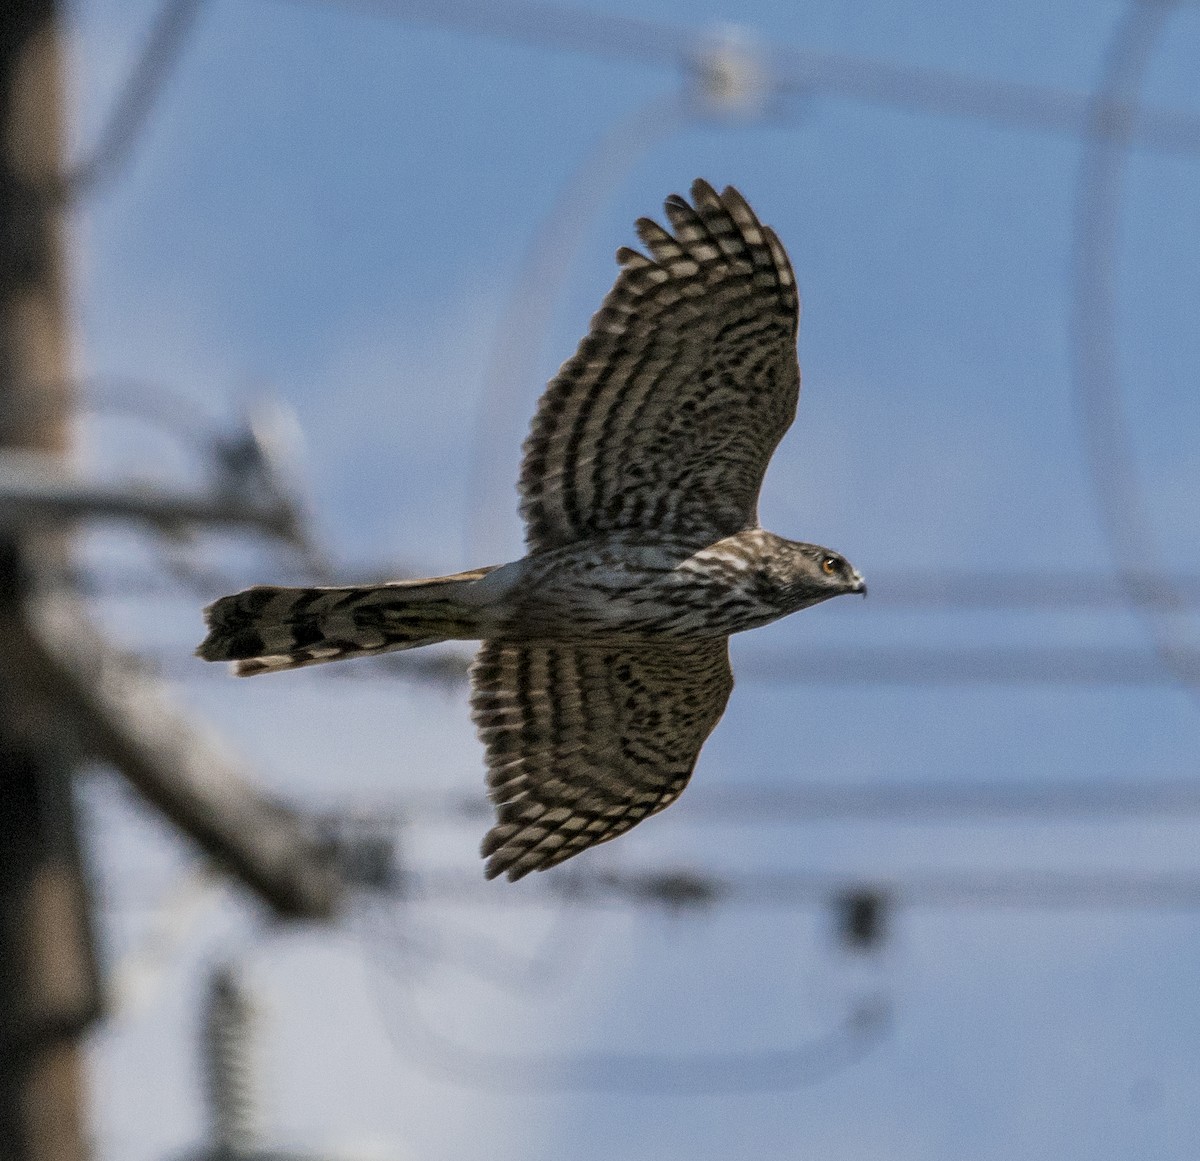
<point x="605" y="663"/>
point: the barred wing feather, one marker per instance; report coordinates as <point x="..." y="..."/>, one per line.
<point x="668" y="413"/>
<point x="585" y="742"/>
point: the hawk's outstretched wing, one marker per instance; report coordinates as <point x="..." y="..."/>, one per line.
<point x="584" y="743"/>
<point x="668" y="413"/>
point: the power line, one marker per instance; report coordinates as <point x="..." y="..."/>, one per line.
<point x="1088" y="798"/>
<point x="1109" y="456"/>
<point x="540" y="969"/>
<point x="702" y="890"/>
<point x="132" y="109"/>
<point x="979" y="665"/>
<point x="952" y="889"/>
<point x="793" y="70"/>
<point x="783" y="1069"/>
<point x="1034" y="591"/>
<point x="791" y="1067"/>
<point x="543" y="25"/>
<point x="909" y="592"/>
<point x="825" y="665"/>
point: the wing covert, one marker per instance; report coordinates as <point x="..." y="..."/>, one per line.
<point x="585" y="742"/>
<point x="667" y="415"/>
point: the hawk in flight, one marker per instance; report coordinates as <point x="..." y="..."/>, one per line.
<point x="604" y="662"/>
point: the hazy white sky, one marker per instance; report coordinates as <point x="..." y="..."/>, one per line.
<point x="337" y="206"/>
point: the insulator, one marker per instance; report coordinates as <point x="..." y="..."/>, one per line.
<point x="861" y="917"/>
<point x="231" y="1064"/>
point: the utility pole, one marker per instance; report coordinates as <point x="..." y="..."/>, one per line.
<point x="64" y="692"/>
<point x="48" y="985"/>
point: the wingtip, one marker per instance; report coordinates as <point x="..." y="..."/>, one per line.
<point x="207" y="649"/>
<point x="732" y="200"/>
<point x="511" y="868"/>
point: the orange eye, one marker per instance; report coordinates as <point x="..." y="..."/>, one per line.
<point x="829" y="565"/>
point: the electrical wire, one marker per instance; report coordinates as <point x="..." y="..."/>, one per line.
<point x="722" y="804"/>
<point x="929" y="666"/>
<point x="902" y="592"/>
<point x="848" y="1043"/>
<point x="928" y="90"/>
<point x="131" y="112"/>
<point x="862" y="1029"/>
<point x="1086" y="667"/>
<point x="679" y="888"/>
<point x="1109" y="455"/>
<point x="543" y="25"/>
<point x="865" y="1026"/>
<point x="938" y="889"/>
<point x="399" y="940"/>
<point x="908" y="592"/>
<point x="1053" y="591"/>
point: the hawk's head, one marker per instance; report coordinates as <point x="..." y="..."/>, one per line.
<point x="808" y="573"/>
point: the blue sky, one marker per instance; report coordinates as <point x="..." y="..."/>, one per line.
<point x="336" y="207"/>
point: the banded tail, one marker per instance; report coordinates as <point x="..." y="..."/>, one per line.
<point x="267" y="629"/>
